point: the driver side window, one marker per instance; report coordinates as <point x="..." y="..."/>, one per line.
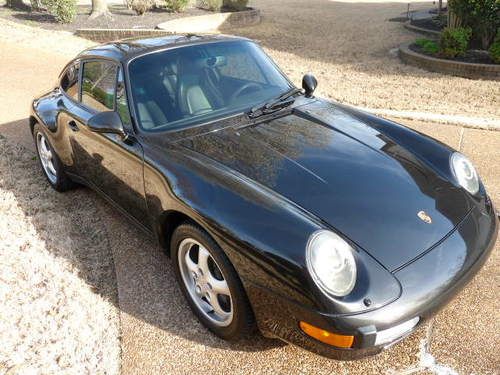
<point x="98" y="85"/>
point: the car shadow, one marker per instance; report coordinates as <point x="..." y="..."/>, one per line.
<point x="117" y="260"/>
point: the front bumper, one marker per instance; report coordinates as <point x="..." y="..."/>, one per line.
<point x="428" y="283"/>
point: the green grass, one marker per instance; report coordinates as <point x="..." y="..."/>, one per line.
<point x="430" y="47"/>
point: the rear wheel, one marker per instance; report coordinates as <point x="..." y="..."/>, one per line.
<point x="210" y="283"/>
<point x="51" y="165"/>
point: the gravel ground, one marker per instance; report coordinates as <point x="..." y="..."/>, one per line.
<point x="57" y="278"/>
<point x="347" y="45"/>
<point x="58" y="292"/>
<point x="59" y="284"/>
<point x="121" y="18"/>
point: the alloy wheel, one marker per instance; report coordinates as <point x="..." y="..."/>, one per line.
<point x="46" y="157"/>
<point x="205" y="282"/>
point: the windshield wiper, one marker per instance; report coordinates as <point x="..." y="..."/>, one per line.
<point x="282" y="101"/>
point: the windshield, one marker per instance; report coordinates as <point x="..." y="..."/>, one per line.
<point x="199" y="83"/>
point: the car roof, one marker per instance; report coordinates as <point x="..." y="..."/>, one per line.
<point x="126" y="49"/>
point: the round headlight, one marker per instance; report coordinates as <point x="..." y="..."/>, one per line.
<point x="465" y="173"/>
<point x="330" y="262"/>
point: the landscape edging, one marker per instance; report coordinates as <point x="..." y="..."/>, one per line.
<point x="106" y="35"/>
<point x="421" y="30"/>
<point x="212" y="22"/>
<point x="457" y="68"/>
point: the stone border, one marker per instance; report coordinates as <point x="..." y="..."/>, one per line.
<point x="456" y="120"/>
<point x="212" y="22"/>
<point x="106" y="35"/>
<point x="421" y="30"/>
<point x="457" y="68"/>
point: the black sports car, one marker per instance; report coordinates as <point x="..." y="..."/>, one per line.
<point x="321" y="225"/>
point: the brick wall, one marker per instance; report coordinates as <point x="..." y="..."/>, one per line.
<point x="106" y="35"/>
<point x="457" y="68"/>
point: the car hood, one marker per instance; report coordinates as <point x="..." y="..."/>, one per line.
<point x="351" y="176"/>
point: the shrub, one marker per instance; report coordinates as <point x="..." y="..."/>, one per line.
<point x="141" y="6"/>
<point x="495" y="49"/>
<point x="454" y="41"/>
<point x="176" y="5"/>
<point x="428" y="46"/>
<point x="64" y="11"/>
<point x="482" y="16"/>
<point x="235" y="5"/>
<point x="213" y="5"/>
<point x="217" y="5"/>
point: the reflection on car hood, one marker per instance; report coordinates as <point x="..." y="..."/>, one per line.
<point x="348" y="174"/>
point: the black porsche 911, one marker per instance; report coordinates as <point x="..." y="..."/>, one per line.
<point x="321" y="225"/>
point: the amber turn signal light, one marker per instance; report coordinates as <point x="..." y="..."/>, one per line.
<point x="334" y="339"/>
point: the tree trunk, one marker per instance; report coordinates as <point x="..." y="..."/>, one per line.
<point x="99" y="8"/>
<point x="36" y="5"/>
<point x="440" y="7"/>
<point x="453" y="20"/>
<point x="17" y="4"/>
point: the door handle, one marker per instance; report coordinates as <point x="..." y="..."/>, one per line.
<point x="73" y="126"/>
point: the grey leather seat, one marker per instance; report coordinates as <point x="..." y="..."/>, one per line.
<point x="196" y="93"/>
<point x="153" y="103"/>
<point x="192" y="98"/>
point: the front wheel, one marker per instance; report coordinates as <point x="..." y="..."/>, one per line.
<point x="210" y="283"/>
<point x="51" y="165"/>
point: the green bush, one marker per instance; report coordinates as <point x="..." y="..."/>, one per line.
<point x="495" y="49"/>
<point x="213" y="5"/>
<point x="428" y="46"/>
<point x="217" y="5"/>
<point x="235" y="5"/>
<point x="176" y="5"/>
<point x="454" y="41"/>
<point x="482" y="16"/>
<point x="64" y="11"/>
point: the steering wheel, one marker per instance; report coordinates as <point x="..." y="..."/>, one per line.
<point x="244" y="88"/>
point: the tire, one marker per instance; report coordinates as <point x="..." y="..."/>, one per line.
<point x="54" y="173"/>
<point x="241" y="323"/>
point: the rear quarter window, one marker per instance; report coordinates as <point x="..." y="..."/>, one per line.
<point x="69" y="80"/>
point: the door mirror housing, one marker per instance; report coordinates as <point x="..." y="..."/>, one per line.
<point x="107" y="122"/>
<point x="309" y="84"/>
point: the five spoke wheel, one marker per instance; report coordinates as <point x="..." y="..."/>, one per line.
<point x="46" y="157"/>
<point x="205" y="282"/>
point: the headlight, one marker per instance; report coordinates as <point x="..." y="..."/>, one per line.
<point x="330" y="262"/>
<point x="464" y="172"/>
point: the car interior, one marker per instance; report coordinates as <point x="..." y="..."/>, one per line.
<point x="191" y="83"/>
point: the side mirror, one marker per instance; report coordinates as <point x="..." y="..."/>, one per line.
<point x="107" y="122"/>
<point x="309" y="84"/>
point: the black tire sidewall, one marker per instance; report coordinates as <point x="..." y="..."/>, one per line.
<point x="242" y="323"/>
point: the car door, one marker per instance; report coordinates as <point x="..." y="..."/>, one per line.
<point x="108" y="162"/>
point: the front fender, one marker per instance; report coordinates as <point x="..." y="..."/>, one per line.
<point x="431" y="151"/>
<point x="263" y="234"/>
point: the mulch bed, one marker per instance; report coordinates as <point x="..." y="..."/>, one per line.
<point x="471" y="56"/>
<point x="432" y="23"/>
<point x="122" y="18"/>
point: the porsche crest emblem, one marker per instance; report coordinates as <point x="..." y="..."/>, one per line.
<point x="422" y="215"/>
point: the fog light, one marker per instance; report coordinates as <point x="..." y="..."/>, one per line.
<point x="329" y="338"/>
